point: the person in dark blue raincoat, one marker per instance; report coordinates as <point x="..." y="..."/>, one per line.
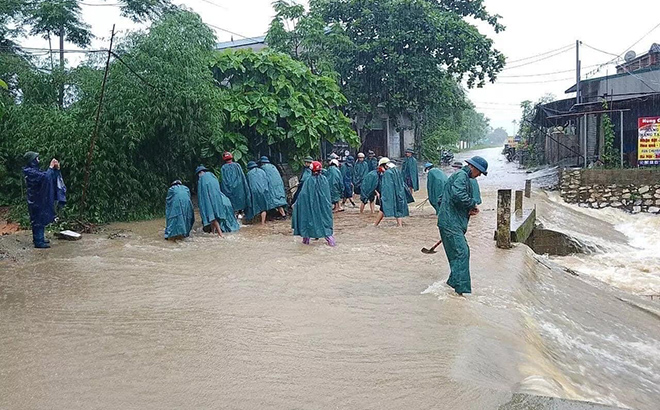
<point x="347" y="175"/>
<point x="312" y="211"/>
<point x="435" y="184"/>
<point x="179" y="212"/>
<point x="234" y="184"/>
<point x="215" y="208"/>
<point x="409" y="171"/>
<point x="258" y="191"/>
<point x="277" y="193"/>
<point x="457" y="204"/>
<point x="393" y="196"/>
<point x="42" y="193"/>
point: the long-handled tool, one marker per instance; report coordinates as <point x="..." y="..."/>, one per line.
<point x="432" y="250"/>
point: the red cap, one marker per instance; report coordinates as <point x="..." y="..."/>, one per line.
<point x="227" y="155"/>
<point x="316" y="166"/>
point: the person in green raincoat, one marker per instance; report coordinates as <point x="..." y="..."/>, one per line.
<point x="277" y="194"/>
<point x="372" y="160"/>
<point x="258" y="191"/>
<point x="409" y="171"/>
<point x="234" y="184"/>
<point x="435" y="184"/>
<point x="360" y="170"/>
<point x="215" y="208"/>
<point x="393" y="198"/>
<point x="457" y="204"/>
<point x="304" y="174"/>
<point x="368" y="191"/>
<point x="312" y="211"/>
<point x="476" y="191"/>
<point x="333" y="174"/>
<point x="347" y="170"/>
<point x="178" y="211"/>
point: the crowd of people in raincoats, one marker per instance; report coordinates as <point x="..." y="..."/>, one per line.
<point x="320" y="193"/>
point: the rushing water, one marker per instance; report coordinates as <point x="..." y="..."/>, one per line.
<point x="257" y="320"/>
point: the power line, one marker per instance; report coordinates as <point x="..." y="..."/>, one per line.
<point x="599" y="50"/>
<point x="540" y="59"/>
<point x="542" y="54"/>
<point x="544" y="74"/>
<point x="535" y="82"/>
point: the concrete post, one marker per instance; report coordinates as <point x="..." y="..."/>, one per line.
<point x="503" y="234"/>
<point x="528" y="188"/>
<point x="519" y="201"/>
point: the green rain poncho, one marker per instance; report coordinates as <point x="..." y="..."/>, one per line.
<point x="410" y="175"/>
<point x="277" y="194"/>
<point x="394" y="201"/>
<point x="360" y="170"/>
<point x="453" y="216"/>
<point x="234" y="185"/>
<point x="347" y="178"/>
<point x="476" y="192"/>
<point x="369" y="186"/>
<point x="178" y="212"/>
<point x="435" y="184"/>
<point x="335" y="179"/>
<point x="312" y="212"/>
<point x="213" y="204"/>
<point x="258" y="191"/>
<point x="372" y="162"/>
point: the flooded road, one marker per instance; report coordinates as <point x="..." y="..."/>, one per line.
<point x="257" y="320"/>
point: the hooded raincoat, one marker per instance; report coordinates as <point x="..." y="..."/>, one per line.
<point x="394" y="200"/>
<point x="42" y="192"/>
<point x="369" y="187"/>
<point x="435" y="185"/>
<point x="372" y="162"/>
<point x="312" y="211"/>
<point x="410" y="175"/>
<point x="360" y="170"/>
<point x="259" y="192"/>
<point x="178" y="212"/>
<point x="234" y="186"/>
<point x="335" y="180"/>
<point x="276" y="192"/>
<point x="347" y="171"/>
<point x="214" y="205"/>
<point x="456" y="202"/>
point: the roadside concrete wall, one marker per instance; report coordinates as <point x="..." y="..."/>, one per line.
<point x="632" y="190"/>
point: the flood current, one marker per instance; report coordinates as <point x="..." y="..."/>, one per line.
<point x="124" y="319"/>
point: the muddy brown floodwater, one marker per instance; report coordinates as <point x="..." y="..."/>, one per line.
<point x="257" y="320"/>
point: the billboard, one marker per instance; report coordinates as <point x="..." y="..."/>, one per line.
<point x="648" y="149"/>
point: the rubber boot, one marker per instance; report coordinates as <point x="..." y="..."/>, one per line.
<point x="331" y="241"/>
<point x="38" y="238"/>
<point x="305" y="241"/>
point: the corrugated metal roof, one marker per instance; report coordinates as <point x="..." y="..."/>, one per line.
<point x="244" y="42"/>
<point x="611" y="77"/>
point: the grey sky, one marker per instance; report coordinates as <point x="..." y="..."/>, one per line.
<point x="533" y="27"/>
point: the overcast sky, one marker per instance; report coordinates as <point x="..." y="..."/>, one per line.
<point x="533" y="28"/>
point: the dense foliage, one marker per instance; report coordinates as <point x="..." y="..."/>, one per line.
<point x="164" y="112"/>
<point x="275" y="103"/>
<point x="394" y="55"/>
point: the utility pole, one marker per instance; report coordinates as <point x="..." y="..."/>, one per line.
<point x="578" y="100"/>
<point x="578" y="96"/>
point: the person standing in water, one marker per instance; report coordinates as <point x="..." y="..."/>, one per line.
<point x="312" y="211"/>
<point x="41" y="196"/>
<point x="393" y="197"/>
<point x="179" y="213"/>
<point x="258" y="192"/>
<point x="335" y="180"/>
<point x="234" y="184"/>
<point x="277" y="193"/>
<point x="347" y="170"/>
<point x="435" y="184"/>
<point x="457" y="204"/>
<point x="215" y="208"/>
<point x="409" y="171"/>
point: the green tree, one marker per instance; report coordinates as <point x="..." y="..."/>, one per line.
<point x="271" y="100"/>
<point x="610" y="154"/>
<point x="390" y="54"/>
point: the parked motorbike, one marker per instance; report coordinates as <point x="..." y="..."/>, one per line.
<point x="447" y="157"/>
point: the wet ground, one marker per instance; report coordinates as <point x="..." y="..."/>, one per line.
<point x="258" y="320"/>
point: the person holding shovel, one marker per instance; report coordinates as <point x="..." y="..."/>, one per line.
<point x="457" y="204"/>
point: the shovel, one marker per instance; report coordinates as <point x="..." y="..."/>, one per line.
<point x="432" y="250"/>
